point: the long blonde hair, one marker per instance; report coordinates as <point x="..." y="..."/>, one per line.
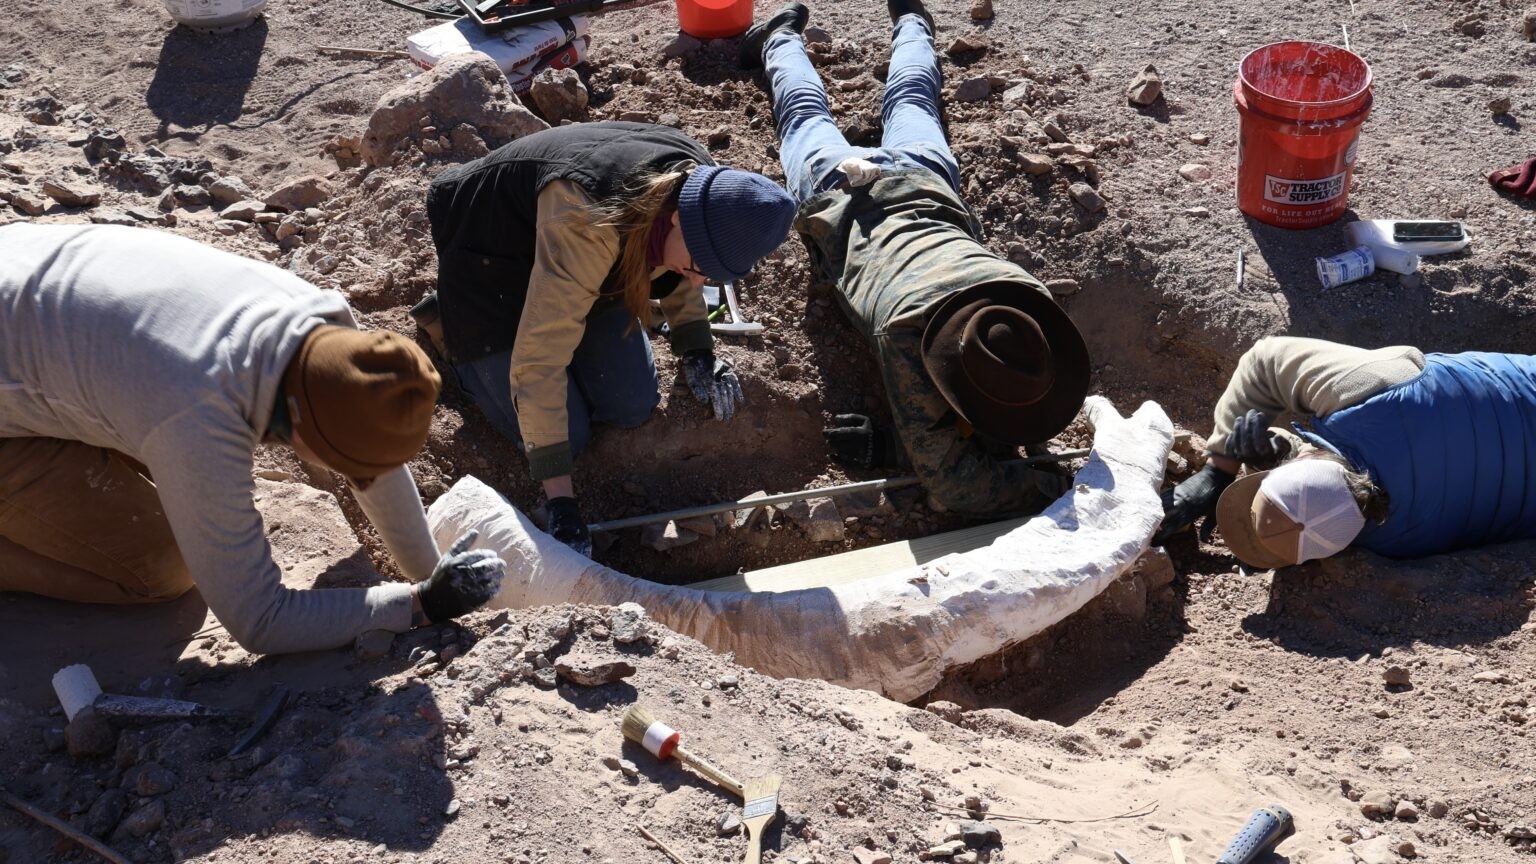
<point x="632" y="213"/>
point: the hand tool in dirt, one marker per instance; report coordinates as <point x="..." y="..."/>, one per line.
<point x="1266" y="828"/>
<point x="662" y="741"/>
<point x="1176" y="849"/>
<point x="76" y="688"/>
<point x="786" y="497"/>
<point x="276" y="702"/>
<point x="1120" y="858"/>
<point x="62" y="827"/>
<point x="762" y="797"/>
<point x="665" y="850"/>
<point x="737" y="326"/>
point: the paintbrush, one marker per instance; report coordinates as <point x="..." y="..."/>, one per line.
<point x="662" y="742"/>
<point x="762" y="797"/>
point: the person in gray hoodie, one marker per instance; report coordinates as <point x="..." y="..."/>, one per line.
<point x="139" y="371"/>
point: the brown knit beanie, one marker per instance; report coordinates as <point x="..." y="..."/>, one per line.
<point x="361" y="400"/>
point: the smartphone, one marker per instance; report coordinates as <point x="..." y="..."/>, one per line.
<point x="1427" y="232"/>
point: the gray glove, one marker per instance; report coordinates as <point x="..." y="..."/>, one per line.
<point x="462" y="581"/>
<point x="713" y="381"/>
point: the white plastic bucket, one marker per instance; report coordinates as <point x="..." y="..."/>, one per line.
<point x="215" y="15"/>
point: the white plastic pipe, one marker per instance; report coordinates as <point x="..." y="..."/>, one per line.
<point x="898" y="633"/>
<point x="76" y="688"/>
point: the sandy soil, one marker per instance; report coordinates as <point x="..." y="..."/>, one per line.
<point x="1180" y="698"/>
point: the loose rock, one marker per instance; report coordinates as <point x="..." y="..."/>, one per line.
<point x="1377" y="803"/>
<point x="973" y="90"/>
<point x="147" y="819"/>
<point x="464" y="88"/>
<point x="26" y="202"/>
<point x="981" y="10"/>
<point x="372" y="644"/>
<point x="1194" y="172"/>
<point x="819" y="518"/>
<point x="629" y="623"/>
<point x="586" y="670"/>
<point x="966" y="43"/>
<point x="1406" y="811"/>
<point x="1500" y="105"/>
<point x="299" y="193"/>
<point x="242" y="211"/>
<point x="682" y="45"/>
<point x="979" y="835"/>
<point x="71" y="193"/>
<point x="1396" y="676"/>
<point x="154" y="779"/>
<point x="865" y="855"/>
<point x="89" y="734"/>
<point x="665" y="537"/>
<point x="106" y="812"/>
<point x="1063" y="287"/>
<point x="1145" y="88"/>
<point x="727" y="824"/>
<point x="230" y="190"/>
<point x="1086" y="197"/>
<point x="559" y="95"/>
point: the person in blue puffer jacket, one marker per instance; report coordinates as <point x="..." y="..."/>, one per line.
<point x="1396" y="451"/>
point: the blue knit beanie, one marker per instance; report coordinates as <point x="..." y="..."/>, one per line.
<point x="731" y="219"/>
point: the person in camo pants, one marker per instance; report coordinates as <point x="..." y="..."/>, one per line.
<point x="976" y="357"/>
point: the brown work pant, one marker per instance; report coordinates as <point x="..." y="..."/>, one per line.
<point x="82" y="523"/>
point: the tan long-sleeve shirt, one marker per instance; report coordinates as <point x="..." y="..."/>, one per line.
<point x="572" y="257"/>
<point x="1287" y="375"/>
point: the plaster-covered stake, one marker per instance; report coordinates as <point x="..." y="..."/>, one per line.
<point x="897" y="633"/>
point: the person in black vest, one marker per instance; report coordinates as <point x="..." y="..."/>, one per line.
<point x="550" y="251"/>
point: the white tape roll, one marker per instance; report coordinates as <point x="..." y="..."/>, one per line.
<point x="76" y="688"/>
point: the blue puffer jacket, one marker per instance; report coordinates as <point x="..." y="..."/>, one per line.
<point x="1455" y="449"/>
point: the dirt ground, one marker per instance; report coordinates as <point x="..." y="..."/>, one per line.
<point x="1217" y="694"/>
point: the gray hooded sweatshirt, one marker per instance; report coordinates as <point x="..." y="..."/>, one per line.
<point x="171" y="352"/>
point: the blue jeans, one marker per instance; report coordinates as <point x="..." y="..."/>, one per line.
<point x="611" y="379"/>
<point x="811" y="145"/>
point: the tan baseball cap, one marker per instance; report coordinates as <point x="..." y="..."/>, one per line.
<point x="1298" y="512"/>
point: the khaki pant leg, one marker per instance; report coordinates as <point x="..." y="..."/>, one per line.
<point x="94" y="513"/>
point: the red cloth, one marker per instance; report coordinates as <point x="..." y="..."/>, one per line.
<point x="1518" y="180"/>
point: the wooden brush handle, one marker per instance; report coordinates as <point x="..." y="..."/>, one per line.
<point x="754" y="851"/>
<point x="709" y="771"/>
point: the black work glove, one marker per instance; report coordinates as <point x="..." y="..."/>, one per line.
<point x="713" y="381"/>
<point x="567" y="526"/>
<point x="857" y="442"/>
<point x="462" y="581"/>
<point x="1253" y="444"/>
<point x="1191" y="500"/>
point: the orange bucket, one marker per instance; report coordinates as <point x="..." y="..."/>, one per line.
<point x="1300" y="106"/>
<point x="714" y="19"/>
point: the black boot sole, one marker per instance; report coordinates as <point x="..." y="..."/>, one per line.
<point x="749" y="55"/>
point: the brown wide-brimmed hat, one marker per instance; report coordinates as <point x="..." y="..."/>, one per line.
<point x="1008" y="360"/>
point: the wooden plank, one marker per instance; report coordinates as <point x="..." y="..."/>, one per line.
<point x="860" y="564"/>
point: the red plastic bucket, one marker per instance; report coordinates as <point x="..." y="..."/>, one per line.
<point x="714" y="19"/>
<point x="1300" y="105"/>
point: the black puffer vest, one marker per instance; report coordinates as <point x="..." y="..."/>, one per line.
<point x="484" y="217"/>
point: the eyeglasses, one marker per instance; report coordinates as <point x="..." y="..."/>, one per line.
<point x="692" y="268"/>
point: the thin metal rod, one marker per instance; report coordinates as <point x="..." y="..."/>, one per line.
<point x="366" y="52"/>
<point x="660" y="845"/>
<point x="85" y="840"/>
<point x="788" y="497"/>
